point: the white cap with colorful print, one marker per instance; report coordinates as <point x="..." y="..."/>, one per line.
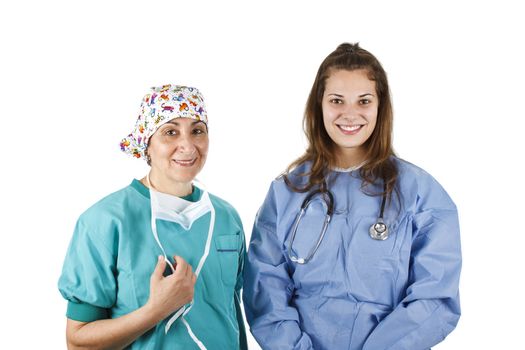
<point x="160" y="105"/>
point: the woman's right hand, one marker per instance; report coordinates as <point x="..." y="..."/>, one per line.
<point x="170" y="293"/>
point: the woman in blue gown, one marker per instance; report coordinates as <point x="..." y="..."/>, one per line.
<point x="353" y="247"/>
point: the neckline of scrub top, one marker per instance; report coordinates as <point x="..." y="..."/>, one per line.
<point x="348" y="170"/>
<point x="143" y="190"/>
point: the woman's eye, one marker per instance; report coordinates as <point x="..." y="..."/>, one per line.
<point x="336" y="101"/>
<point x="171" y="132"/>
<point x="199" y="131"/>
<point x="365" y="101"/>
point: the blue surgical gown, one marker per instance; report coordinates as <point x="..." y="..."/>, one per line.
<point x="356" y="292"/>
<point x="112" y="254"/>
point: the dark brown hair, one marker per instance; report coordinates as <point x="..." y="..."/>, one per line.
<point x="321" y="149"/>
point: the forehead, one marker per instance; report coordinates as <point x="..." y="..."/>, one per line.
<point x="345" y="80"/>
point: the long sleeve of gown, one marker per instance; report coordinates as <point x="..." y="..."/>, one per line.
<point x="268" y="287"/>
<point x="430" y="310"/>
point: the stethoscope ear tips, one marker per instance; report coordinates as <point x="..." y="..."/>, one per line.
<point x="379" y="230"/>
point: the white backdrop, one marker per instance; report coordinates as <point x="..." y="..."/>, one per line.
<point x="73" y="74"/>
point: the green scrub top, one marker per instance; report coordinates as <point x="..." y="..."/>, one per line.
<point x="113" y="253"/>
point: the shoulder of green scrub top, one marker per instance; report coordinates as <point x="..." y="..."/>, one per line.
<point x="223" y="207"/>
<point x="115" y="206"/>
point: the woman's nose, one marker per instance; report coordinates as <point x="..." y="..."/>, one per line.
<point x="186" y="144"/>
<point x="350" y="111"/>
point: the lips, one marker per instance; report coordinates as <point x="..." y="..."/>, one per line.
<point x="185" y="162"/>
<point x="350" y="129"/>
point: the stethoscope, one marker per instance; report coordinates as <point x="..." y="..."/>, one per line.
<point x="378" y="231"/>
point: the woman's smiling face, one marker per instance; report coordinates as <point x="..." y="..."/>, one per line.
<point x="178" y="149"/>
<point x="350" y="105"/>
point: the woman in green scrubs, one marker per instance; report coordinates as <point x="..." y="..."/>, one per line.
<point x="158" y="264"/>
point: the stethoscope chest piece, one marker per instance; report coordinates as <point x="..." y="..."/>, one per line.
<point x="379" y="230"/>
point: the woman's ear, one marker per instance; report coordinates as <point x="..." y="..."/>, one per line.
<point x="148" y="158"/>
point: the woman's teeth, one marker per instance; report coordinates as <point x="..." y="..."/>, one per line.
<point x="185" y="162"/>
<point x="349" y="127"/>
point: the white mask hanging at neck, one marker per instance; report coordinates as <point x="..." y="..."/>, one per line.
<point x="185" y="213"/>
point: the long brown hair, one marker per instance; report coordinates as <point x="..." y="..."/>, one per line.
<point x="321" y="148"/>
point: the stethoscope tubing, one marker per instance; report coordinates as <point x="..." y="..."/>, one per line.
<point x="378" y="231"/>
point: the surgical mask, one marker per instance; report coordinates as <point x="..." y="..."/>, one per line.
<point x="185" y="213"/>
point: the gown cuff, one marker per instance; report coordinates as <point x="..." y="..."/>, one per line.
<point x="85" y="312"/>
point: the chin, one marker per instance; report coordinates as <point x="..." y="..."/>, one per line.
<point x="185" y="177"/>
<point x="349" y="145"/>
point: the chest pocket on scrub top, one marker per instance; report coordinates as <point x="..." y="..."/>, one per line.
<point x="227" y="247"/>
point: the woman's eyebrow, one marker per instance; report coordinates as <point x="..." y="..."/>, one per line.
<point x="178" y="124"/>
<point x="362" y="95"/>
